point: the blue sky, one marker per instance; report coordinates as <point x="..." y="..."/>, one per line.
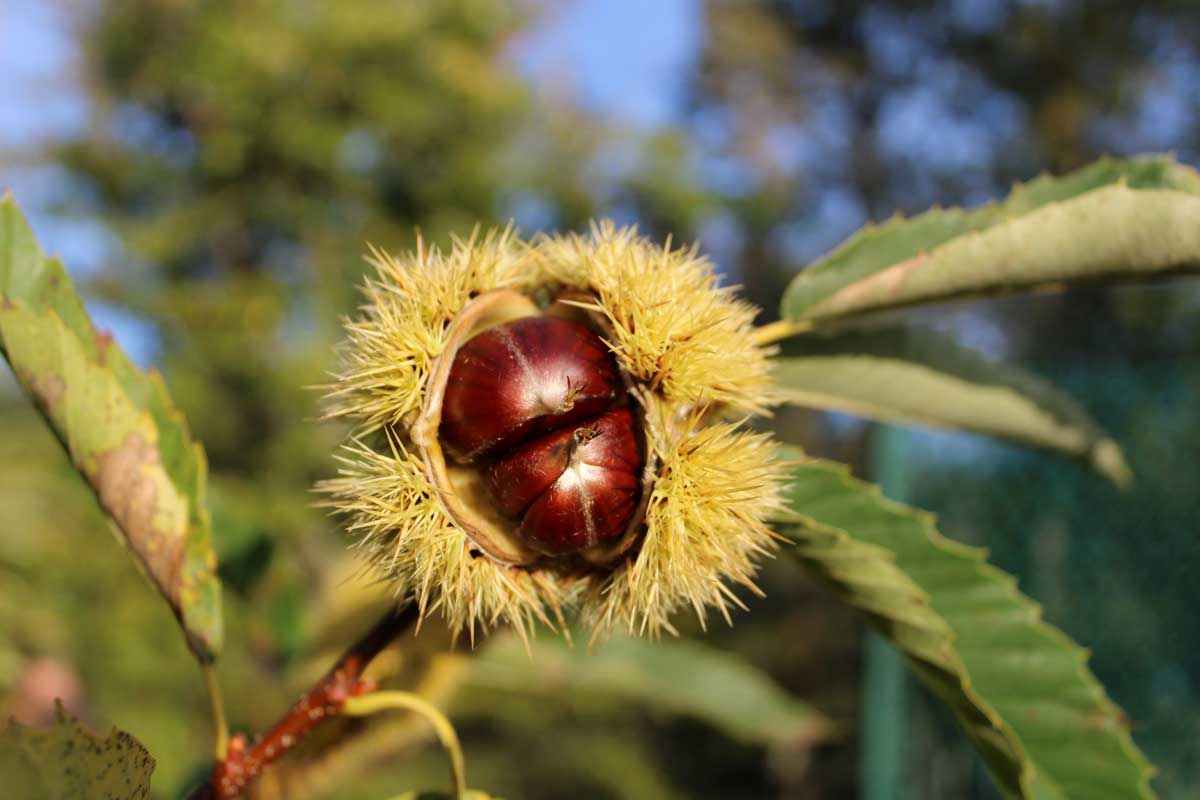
<point x="584" y="51"/>
<point x="40" y="99"/>
<point x="633" y="73"/>
<point x="589" y="53"/>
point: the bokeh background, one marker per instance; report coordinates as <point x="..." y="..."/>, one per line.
<point x="210" y="173"/>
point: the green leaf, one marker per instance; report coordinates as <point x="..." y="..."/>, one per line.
<point x="469" y="794"/>
<point x="68" y="762"/>
<point x="676" y="676"/>
<point x="910" y="375"/>
<point x="118" y="426"/>
<point x="1020" y="688"/>
<point x="1115" y="218"/>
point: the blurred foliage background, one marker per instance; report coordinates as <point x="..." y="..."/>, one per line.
<point x="210" y="173"/>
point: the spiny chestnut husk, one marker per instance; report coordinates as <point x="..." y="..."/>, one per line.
<point x="556" y="425"/>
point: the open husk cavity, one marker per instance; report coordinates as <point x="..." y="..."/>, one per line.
<point x="687" y="350"/>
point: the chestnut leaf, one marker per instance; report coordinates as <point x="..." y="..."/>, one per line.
<point x="675" y="676"/>
<point x="1020" y="688"/>
<point x="118" y="426"/>
<point x="1112" y="220"/>
<point x="65" y="760"/>
<point x="916" y="376"/>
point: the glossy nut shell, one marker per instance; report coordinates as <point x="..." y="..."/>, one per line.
<point x="522" y="378"/>
<point x="574" y="488"/>
<point x="530" y="434"/>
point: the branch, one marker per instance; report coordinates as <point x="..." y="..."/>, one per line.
<point x="232" y="775"/>
<point x="361" y="748"/>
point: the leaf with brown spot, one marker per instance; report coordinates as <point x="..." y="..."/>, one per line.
<point x="1135" y="218"/>
<point x="68" y="762"/>
<point x="118" y="426"/>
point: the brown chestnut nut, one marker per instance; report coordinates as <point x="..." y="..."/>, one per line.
<point x="536" y="408"/>
<point x="522" y="378"/>
<point x="574" y="488"/>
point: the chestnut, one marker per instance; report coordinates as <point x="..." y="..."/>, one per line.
<point x="520" y="378"/>
<point x="573" y="488"/>
<point x="537" y="408"/>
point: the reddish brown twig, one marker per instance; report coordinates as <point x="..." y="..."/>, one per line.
<point x="231" y="776"/>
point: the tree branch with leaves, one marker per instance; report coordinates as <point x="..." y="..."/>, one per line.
<point x="633" y="495"/>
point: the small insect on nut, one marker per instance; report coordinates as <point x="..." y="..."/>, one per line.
<point x="574" y="488"/>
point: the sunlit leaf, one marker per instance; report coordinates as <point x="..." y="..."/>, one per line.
<point x="676" y="676"/>
<point x="68" y="762"/>
<point x="911" y="375"/>
<point x="1132" y="218"/>
<point x="1020" y="688"/>
<point x="118" y="426"/>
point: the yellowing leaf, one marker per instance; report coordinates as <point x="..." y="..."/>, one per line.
<point x="118" y="426"/>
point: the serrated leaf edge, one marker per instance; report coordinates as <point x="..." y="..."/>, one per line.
<point x="1029" y="773"/>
